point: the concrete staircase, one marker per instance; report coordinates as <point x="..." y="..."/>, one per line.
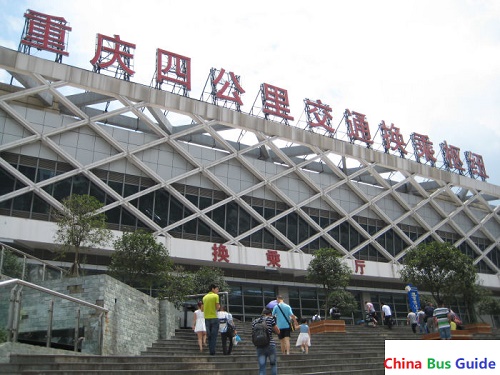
<point x="358" y="351"/>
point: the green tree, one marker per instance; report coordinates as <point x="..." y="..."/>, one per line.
<point x="344" y="300"/>
<point x="179" y="285"/>
<point x="3" y="335"/>
<point x="140" y="261"/>
<point x="489" y="305"/>
<point x="11" y="264"/>
<point x="327" y="269"/>
<point x="441" y="269"/>
<point x="80" y="225"/>
<point x="205" y="276"/>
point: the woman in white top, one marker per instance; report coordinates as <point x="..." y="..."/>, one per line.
<point x="225" y="323"/>
<point x="199" y="326"/>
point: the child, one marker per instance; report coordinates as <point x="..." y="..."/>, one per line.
<point x="304" y="339"/>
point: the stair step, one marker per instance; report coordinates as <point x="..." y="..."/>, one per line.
<point x="358" y="351"/>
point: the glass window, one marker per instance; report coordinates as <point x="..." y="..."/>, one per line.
<point x="7" y="182"/>
<point x="145" y="204"/>
<point x="205" y="202"/>
<point x="128" y="219"/>
<point x="62" y="189"/>
<point x="44" y="174"/>
<point x="232" y="218"/>
<point x="116" y="186"/>
<point x="23" y="202"/>
<point x="80" y="185"/>
<point x="28" y="172"/>
<point x="39" y="205"/>
<point x="244" y="221"/>
<point x="129" y="189"/>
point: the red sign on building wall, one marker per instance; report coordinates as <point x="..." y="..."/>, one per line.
<point x="318" y="115"/>
<point x="174" y="69"/>
<point x="357" y="127"/>
<point x="49" y="33"/>
<point x="392" y="139"/>
<point x="275" y="102"/>
<point x="113" y="54"/>
<point x="220" y="253"/>
<point x="45" y="32"/>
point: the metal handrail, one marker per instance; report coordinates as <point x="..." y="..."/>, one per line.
<point x="25" y="256"/>
<point x="15" y="310"/>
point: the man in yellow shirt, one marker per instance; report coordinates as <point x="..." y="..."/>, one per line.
<point x="210" y="306"/>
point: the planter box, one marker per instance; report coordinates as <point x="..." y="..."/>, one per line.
<point x="478" y="327"/>
<point x="459" y="334"/>
<point x="324" y="326"/>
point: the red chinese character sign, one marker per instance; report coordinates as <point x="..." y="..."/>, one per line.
<point x="173" y="69"/>
<point x="220" y="253"/>
<point x="392" y="139"/>
<point x="476" y="165"/>
<point x="273" y="258"/>
<point x="114" y="55"/>
<point x="357" y="127"/>
<point x="275" y="103"/>
<point x="44" y="32"/>
<point x="318" y="115"/>
<point x="359" y="266"/>
<point x="423" y="148"/>
<point x="451" y="158"/>
<point x="225" y="89"/>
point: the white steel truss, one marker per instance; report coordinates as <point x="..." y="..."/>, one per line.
<point x="357" y="180"/>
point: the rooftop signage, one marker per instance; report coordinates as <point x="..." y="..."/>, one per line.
<point x="115" y="56"/>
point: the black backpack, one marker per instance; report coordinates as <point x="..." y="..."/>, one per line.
<point x="260" y="333"/>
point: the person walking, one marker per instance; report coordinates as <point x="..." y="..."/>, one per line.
<point x="411" y="319"/>
<point x="284" y="317"/>
<point x="210" y="307"/>
<point x="226" y="329"/>
<point x="429" y="317"/>
<point x="372" y="314"/>
<point x="304" y="339"/>
<point x="199" y="326"/>
<point x="421" y="323"/>
<point x="442" y="317"/>
<point x="387" y="315"/>
<point x="269" y="351"/>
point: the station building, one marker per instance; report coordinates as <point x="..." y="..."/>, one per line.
<point x="223" y="188"/>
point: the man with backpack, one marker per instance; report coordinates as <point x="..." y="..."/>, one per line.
<point x="262" y="338"/>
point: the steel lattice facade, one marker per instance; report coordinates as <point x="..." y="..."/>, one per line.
<point x="196" y="174"/>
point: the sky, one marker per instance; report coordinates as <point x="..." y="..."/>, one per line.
<point x="430" y="67"/>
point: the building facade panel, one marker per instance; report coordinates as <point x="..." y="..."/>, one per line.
<point x="285" y="189"/>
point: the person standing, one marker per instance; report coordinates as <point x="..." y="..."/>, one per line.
<point x="387" y="315"/>
<point x="210" y="307"/>
<point x="411" y="319"/>
<point x="284" y="317"/>
<point x="304" y="339"/>
<point x="442" y="317"/>
<point x="199" y="326"/>
<point x="269" y="351"/>
<point x="225" y="323"/>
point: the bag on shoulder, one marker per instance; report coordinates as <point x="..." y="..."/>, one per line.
<point x="230" y="330"/>
<point x="260" y="333"/>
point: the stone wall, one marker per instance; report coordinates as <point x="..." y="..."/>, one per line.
<point x="133" y="323"/>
